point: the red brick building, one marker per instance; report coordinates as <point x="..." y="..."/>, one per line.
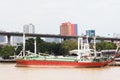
<point x="68" y="29"/>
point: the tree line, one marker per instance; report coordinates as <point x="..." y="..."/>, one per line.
<point x="62" y="48"/>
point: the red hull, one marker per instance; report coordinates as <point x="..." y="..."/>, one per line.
<point x="44" y="63"/>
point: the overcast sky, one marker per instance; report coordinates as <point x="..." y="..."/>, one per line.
<point x="47" y="15"/>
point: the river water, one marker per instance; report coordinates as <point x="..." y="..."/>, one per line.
<point x="10" y="72"/>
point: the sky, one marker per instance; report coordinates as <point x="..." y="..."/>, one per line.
<point x="47" y="15"/>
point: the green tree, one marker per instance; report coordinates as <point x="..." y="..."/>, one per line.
<point x="69" y="45"/>
<point x="41" y="45"/>
<point x="29" y="45"/>
<point x="58" y="50"/>
<point x="7" y="51"/>
<point x="105" y="45"/>
<point x="1" y="46"/>
<point x="18" y="49"/>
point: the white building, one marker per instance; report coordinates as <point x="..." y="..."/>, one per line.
<point x="29" y="28"/>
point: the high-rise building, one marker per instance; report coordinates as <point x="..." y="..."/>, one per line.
<point x="90" y="33"/>
<point x="76" y="29"/>
<point x="68" y="29"/>
<point x="29" y="28"/>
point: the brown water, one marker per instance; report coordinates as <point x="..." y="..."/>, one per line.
<point x="10" y="72"/>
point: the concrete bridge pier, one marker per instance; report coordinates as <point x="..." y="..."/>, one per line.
<point x="8" y="39"/>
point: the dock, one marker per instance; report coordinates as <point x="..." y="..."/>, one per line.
<point x="115" y="64"/>
<point x="7" y="61"/>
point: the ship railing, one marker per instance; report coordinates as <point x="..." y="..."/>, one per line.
<point x="27" y="53"/>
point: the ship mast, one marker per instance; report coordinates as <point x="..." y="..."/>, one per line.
<point x="23" y="43"/>
<point x="95" y="47"/>
<point x="87" y="43"/>
<point x="80" y="44"/>
<point x="117" y="49"/>
<point x="35" y="46"/>
<point x="78" y="48"/>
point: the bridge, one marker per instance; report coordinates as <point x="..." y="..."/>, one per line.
<point x="9" y="34"/>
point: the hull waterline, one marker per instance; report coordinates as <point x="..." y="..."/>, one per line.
<point x="44" y="63"/>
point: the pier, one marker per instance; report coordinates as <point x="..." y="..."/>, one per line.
<point x="7" y="61"/>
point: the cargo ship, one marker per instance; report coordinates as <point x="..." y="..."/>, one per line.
<point x="86" y="57"/>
